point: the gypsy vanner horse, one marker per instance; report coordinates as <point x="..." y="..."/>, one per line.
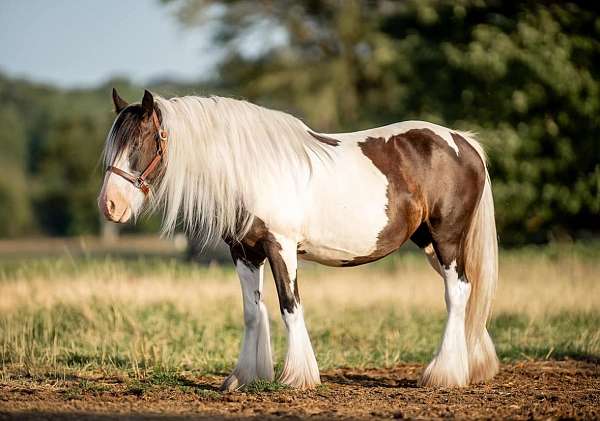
<point x="273" y="189"/>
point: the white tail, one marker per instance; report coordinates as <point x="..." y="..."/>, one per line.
<point x="480" y="253"/>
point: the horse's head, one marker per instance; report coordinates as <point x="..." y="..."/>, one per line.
<point x="133" y="156"/>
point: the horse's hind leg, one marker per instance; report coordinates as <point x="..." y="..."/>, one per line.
<point x="483" y="363"/>
<point x="255" y="359"/>
<point x="450" y="367"/>
<point x="300" y="367"/>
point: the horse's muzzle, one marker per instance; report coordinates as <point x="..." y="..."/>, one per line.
<point x="114" y="206"/>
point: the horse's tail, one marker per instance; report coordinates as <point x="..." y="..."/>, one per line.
<point x="480" y="253"/>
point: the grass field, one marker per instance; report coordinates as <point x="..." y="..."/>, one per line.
<point x="154" y="320"/>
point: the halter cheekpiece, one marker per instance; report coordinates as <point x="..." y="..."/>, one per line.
<point x="140" y="182"/>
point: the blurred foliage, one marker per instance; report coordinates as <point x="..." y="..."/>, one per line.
<point x="14" y="209"/>
<point x="524" y="75"/>
<point x="51" y="146"/>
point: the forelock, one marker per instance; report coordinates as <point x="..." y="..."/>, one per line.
<point x="126" y="128"/>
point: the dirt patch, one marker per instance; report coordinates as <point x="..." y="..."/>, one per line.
<point x="550" y="389"/>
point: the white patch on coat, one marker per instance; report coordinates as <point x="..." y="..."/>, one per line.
<point x="345" y="208"/>
<point x="450" y="367"/>
<point x="300" y="368"/>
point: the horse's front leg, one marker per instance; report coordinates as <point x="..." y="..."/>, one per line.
<point x="300" y="367"/>
<point x="255" y="361"/>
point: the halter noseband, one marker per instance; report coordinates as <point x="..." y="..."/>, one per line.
<point x="140" y="182"/>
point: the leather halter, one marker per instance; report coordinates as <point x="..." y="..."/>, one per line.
<point x="139" y="181"/>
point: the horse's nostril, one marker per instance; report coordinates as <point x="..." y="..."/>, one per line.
<point x="110" y="206"/>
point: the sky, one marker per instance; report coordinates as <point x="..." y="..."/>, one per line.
<point x="83" y="43"/>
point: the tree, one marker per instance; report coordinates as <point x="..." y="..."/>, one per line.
<point x="15" y="212"/>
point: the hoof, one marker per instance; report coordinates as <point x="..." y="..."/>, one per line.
<point x="440" y="375"/>
<point x="300" y="381"/>
<point x="231" y="383"/>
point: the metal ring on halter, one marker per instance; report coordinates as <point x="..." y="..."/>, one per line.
<point x="138" y="183"/>
<point x="162" y="133"/>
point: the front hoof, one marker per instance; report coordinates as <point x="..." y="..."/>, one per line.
<point x="438" y="374"/>
<point x="300" y="381"/>
<point x="231" y="384"/>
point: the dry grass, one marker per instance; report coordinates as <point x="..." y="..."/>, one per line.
<point x="534" y="285"/>
<point x="148" y="316"/>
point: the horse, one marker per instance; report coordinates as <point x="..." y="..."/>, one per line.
<point x="275" y="190"/>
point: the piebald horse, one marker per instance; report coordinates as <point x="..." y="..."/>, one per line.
<point x="273" y="189"/>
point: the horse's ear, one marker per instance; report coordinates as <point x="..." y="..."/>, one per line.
<point x="148" y="103"/>
<point x="119" y="102"/>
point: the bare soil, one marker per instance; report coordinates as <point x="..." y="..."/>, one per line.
<point x="548" y="389"/>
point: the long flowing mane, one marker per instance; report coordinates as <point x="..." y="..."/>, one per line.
<point x="223" y="155"/>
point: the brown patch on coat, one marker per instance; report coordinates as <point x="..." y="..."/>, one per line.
<point x="324" y="139"/>
<point x="432" y="193"/>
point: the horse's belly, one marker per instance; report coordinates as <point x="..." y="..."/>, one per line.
<point x="331" y="256"/>
<point x="347" y="212"/>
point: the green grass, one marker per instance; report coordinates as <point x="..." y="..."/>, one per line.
<point x="156" y="323"/>
<point x="164" y="338"/>
<point x="262" y="386"/>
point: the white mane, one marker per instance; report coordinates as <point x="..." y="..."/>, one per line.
<point x="224" y="154"/>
